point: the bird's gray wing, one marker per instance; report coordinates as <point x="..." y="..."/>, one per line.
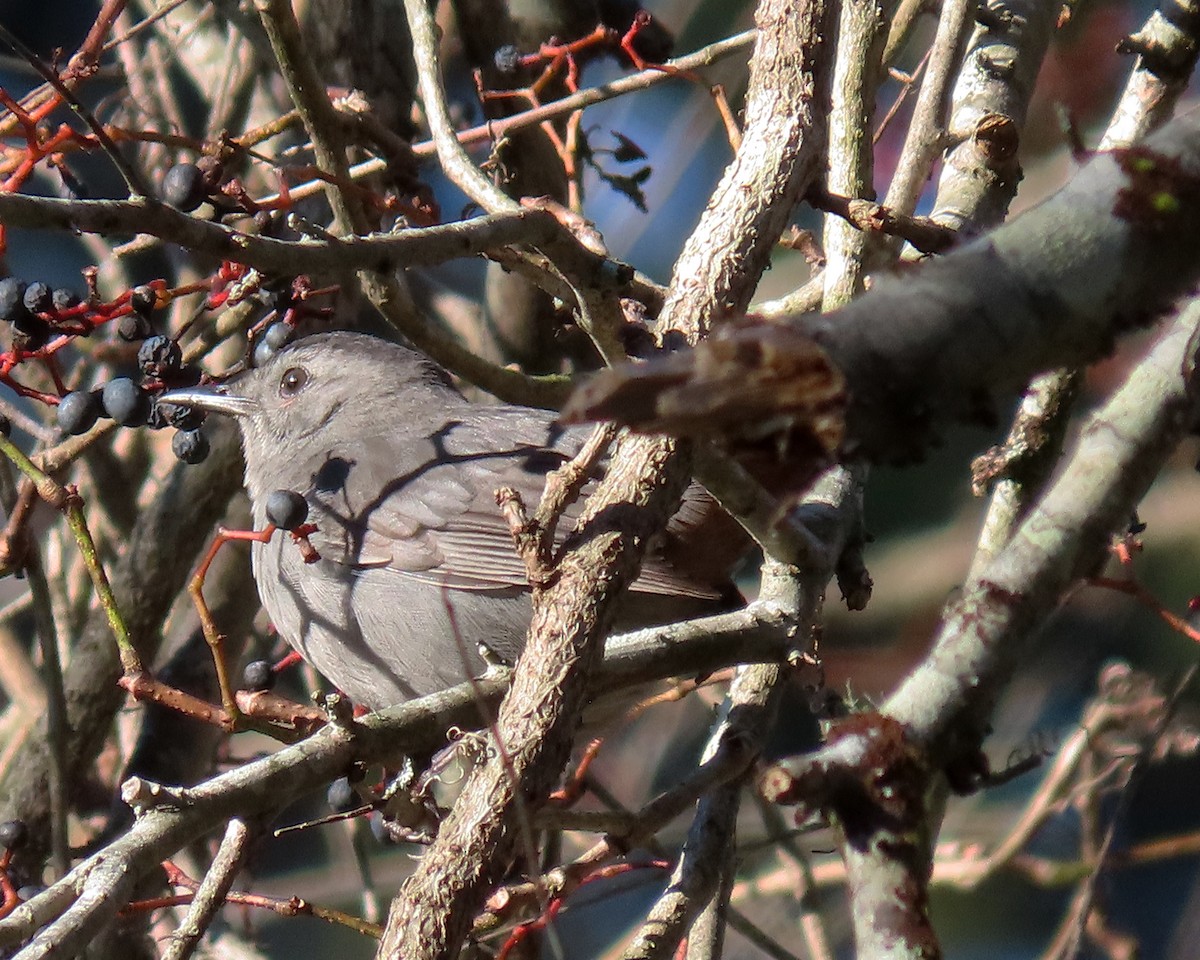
<point x="433" y="515"/>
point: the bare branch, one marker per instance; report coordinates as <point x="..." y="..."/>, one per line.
<point x="980" y="171"/>
<point x="710" y="840"/>
<point x="943" y="341"/>
<point x="1167" y="51"/>
<point x="454" y="159"/>
<point x="857" y="72"/>
<point x="944" y="703"/>
<point x="211" y="896"/>
<point x="717" y="271"/>
<point x="927" y="131"/>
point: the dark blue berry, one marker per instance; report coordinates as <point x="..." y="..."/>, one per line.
<point x="126" y="402"/>
<point x="175" y="415"/>
<point x="263" y="352"/>
<point x="143" y="299"/>
<point x="507" y="58"/>
<point x="183" y="187"/>
<point x="12" y="299"/>
<point x="64" y="299"/>
<point x="190" y="446"/>
<point x="342" y="797"/>
<point x="159" y="356"/>
<point x="286" y="509"/>
<point x="277" y="334"/>
<point x="77" y="412"/>
<point x="258" y="675"/>
<point x="133" y="327"/>
<point x="13" y="834"/>
<point x="38" y="297"/>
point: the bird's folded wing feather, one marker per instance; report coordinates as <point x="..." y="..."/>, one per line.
<point x="433" y="516"/>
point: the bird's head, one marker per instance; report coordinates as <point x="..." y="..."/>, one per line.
<point x="323" y="388"/>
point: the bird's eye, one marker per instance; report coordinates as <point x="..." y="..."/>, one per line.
<point x="292" y="381"/>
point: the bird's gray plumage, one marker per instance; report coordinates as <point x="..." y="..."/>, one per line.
<point x="417" y="566"/>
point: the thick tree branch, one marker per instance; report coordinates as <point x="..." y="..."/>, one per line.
<point x="1053" y="287"/>
<point x="780" y="156"/>
<point x="716" y="272"/>
<point x="1019" y="469"/>
<point x="1064" y="537"/>
<point x="760" y="633"/>
<point x="940" y="713"/>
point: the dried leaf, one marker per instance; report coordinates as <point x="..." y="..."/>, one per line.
<point x="627" y="151"/>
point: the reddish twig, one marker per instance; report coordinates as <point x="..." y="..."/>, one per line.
<point x="291" y="907"/>
<point x="214" y="637"/>
<point x="524" y="930"/>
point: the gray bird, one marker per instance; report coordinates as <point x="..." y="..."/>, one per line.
<point x="418" y="575"/>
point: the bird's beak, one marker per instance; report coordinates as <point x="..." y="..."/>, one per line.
<point x="215" y="398"/>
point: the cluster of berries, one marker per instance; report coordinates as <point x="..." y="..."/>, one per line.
<point x="34" y="310"/>
<point x="134" y="404"/>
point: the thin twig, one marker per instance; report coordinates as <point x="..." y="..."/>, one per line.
<point x="210" y="896"/>
<point x="133" y="179"/>
<point x="926" y="133"/>
<point x="320" y="119"/>
<point x="1082" y="904"/>
<point x="454" y="160"/>
<point x="856" y="76"/>
<point x="65" y="500"/>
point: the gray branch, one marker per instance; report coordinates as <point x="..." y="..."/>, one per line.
<point x="1053" y="287"/>
<point x="1064" y="537"/>
<point x="980" y="172"/>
